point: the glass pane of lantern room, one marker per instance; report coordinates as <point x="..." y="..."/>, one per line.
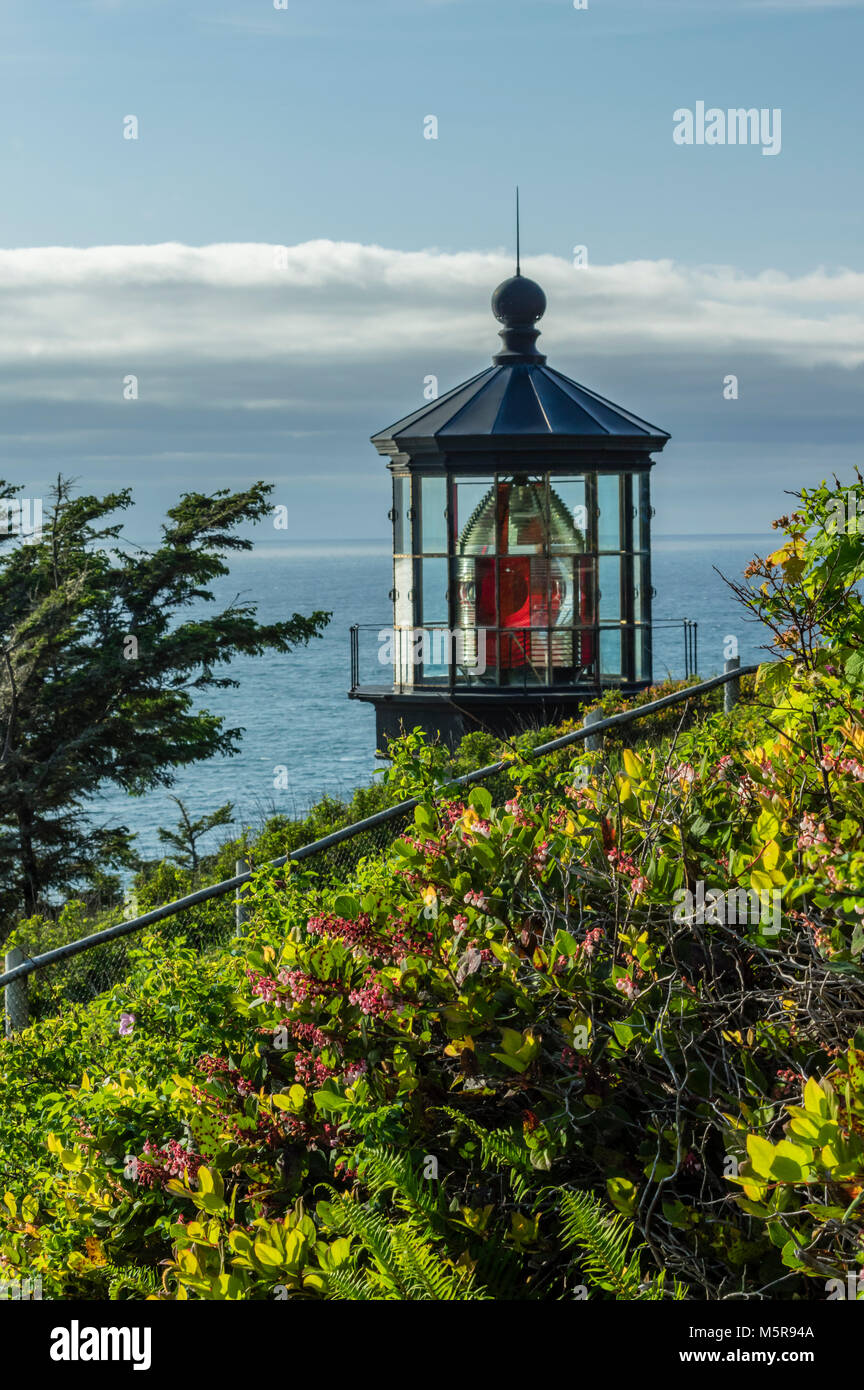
<point x="609" y="507"/>
<point x="568" y="515"/>
<point x="433" y="520"/>
<point x="433" y="578"/>
<point x="642" y="491"/>
<point x="642" y="588"/>
<point x="570" y="590"/>
<point x="609" y="584"/>
<point x="474" y="526"/>
<point x="401" y="522"/>
<point x="642" y="652"/>
<point x="610" y="653"/>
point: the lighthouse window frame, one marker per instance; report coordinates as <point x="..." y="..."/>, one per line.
<point x="606" y="642"/>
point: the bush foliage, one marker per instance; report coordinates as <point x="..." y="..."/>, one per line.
<point x="596" y="1032"/>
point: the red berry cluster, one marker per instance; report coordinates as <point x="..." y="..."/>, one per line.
<point x="788" y="1082"/>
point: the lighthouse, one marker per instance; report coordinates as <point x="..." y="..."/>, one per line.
<point x="521" y="519"/>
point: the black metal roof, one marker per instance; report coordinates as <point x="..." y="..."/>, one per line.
<point x="519" y="402"/>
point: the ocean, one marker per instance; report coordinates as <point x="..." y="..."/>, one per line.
<point x="294" y="708"/>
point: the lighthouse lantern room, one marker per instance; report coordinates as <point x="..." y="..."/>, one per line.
<point x="521" y="547"/>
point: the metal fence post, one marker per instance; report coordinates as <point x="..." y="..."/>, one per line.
<point x="241" y="914"/>
<point x="594" y="742"/>
<point x="732" y="689"/>
<point x="16" y="1009"/>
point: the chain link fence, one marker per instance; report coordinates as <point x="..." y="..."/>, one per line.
<point x="42" y="986"/>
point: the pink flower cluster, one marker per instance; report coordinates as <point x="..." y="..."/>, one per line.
<point x="431" y="849"/>
<point x="310" y="1071"/>
<point x="810" y="834"/>
<point x="460" y="922"/>
<point x="723" y="769"/>
<point x="626" y="865"/>
<point x="478" y="827"/>
<point x="851" y="766"/>
<point x="477" y="900"/>
<point x="355" y="1070"/>
<point x="373" y="1000"/>
<point x="361" y="937"/>
<point x="627" y="987"/>
<point x="436" y="848"/>
<point x="306" y="1032"/>
<point x="540" y="856"/>
<point x="266" y="988"/>
<point x="217" y="1066"/>
<point x="592" y="941"/>
<point x="514" y="808"/>
<point x="159" y="1166"/>
<point x="303" y="987"/>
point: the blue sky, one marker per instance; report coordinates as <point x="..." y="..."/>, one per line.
<point x="304" y="128"/>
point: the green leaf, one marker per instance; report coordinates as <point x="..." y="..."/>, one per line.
<point x="481" y="800"/>
<point x="815" y="1099"/>
<point x="854" y="669"/>
<point x="790" y="1162"/>
<point x="329" y="1100"/>
<point x="268" y="1256"/>
<point x="565" y="944"/>
<point x="514" y="1063"/>
<point x="761" y="1154"/>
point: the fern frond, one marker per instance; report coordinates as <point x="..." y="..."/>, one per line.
<point x="605" y="1241"/>
<point x="404" y="1263"/>
<point x="355" y="1286"/>
<point x="426" y="1275"/>
<point x="373" y="1232"/>
<point x="500" y="1149"/>
<point x="383" y="1170"/>
<point x="143" y="1282"/>
<point x="604" y="1238"/>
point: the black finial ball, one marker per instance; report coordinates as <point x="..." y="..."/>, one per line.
<point x="518" y="301"/>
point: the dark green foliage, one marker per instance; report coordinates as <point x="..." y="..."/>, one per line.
<point x="101" y="672"/>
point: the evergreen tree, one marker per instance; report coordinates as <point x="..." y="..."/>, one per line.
<point x="184" y="840"/>
<point x="101" y="669"/>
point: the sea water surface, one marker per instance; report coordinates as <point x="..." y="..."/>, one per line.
<point x="294" y="708"/>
